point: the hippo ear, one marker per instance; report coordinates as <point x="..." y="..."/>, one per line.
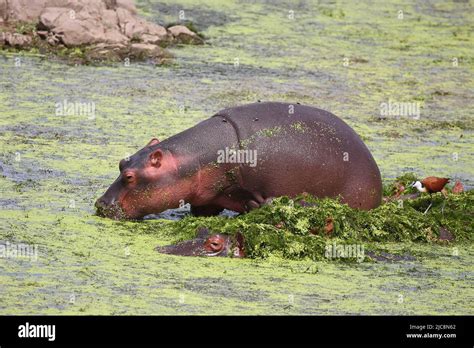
<point x="240" y="245"/>
<point x="152" y="142"/>
<point x="156" y="157"/>
<point x="202" y="232"/>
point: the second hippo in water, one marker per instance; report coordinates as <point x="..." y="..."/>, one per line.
<point x="243" y="156"/>
<point x="207" y="244"/>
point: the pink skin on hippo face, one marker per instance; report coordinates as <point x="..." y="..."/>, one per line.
<point x="144" y="186"/>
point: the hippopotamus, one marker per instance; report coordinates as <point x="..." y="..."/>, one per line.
<point x="208" y="244"/>
<point x="242" y="157"/>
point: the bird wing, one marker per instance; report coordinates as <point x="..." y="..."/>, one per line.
<point x="434" y="184"/>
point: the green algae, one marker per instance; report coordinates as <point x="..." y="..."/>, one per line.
<point x="295" y="228"/>
<point x="89" y="265"/>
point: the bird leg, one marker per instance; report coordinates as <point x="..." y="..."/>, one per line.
<point x="428" y="208"/>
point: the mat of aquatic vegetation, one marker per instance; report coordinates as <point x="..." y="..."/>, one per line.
<point x="54" y="167"/>
<point x="304" y="227"/>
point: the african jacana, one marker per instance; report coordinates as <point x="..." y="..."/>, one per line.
<point x="431" y="184"/>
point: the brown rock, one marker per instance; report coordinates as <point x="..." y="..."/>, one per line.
<point x="94" y="7"/>
<point x="24" y="10"/>
<point x="129" y="25"/>
<point x="155" y="29"/>
<point x="91" y="22"/>
<point x="42" y="34"/>
<point x="113" y="36"/>
<point x="145" y="50"/>
<point x="134" y="27"/>
<point x="183" y="34"/>
<point x="51" y="17"/>
<point x="110" y="19"/>
<point x="83" y="27"/>
<point x="152" y="39"/>
<point x="3" y="10"/>
<point x="127" y="5"/>
<point x="16" y="40"/>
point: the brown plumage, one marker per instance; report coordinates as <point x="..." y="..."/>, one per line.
<point x="434" y="184"/>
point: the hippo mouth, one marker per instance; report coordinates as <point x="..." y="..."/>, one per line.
<point x="113" y="211"/>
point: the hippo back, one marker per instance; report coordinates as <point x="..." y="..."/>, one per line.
<point x="302" y="148"/>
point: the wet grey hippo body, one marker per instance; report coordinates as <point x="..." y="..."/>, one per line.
<point x="290" y="149"/>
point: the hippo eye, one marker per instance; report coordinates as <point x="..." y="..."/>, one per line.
<point x="213" y="245"/>
<point x="216" y="246"/>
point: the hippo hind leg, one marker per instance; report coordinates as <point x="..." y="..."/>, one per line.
<point x="363" y="194"/>
<point x="206" y="210"/>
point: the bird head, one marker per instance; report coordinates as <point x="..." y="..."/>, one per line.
<point x="418" y="185"/>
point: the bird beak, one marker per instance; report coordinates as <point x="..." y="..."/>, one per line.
<point x="412" y="184"/>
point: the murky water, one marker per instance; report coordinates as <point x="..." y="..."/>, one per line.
<point x="344" y="57"/>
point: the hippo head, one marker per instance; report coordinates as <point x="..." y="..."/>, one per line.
<point x="145" y="185"/>
<point x="207" y="244"/>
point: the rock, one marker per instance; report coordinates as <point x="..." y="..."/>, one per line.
<point x="110" y="19"/>
<point x="93" y="7"/>
<point x="73" y="28"/>
<point x="184" y="35"/>
<point x="134" y="27"/>
<point x="52" y="17"/>
<point x="16" y="40"/>
<point x="3" y="10"/>
<point x="83" y="28"/>
<point x="110" y="52"/>
<point x="42" y="34"/>
<point x="129" y="25"/>
<point x="52" y="39"/>
<point x="127" y="5"/>
<point x="113" y="36"/>
<point x="91" y="22"/>
<point x="24" y="10"/>
<point x="157" y="30"/>
<point x="152" y="39"/>
<point x="145" y="50"/>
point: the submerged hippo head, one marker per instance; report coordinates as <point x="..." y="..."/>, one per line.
<point x="206" y="244"/>
<point x="145" y="185"/>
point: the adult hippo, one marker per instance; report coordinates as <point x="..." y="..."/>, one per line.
<point x="243" y="156"/>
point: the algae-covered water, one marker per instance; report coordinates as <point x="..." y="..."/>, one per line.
<point x="343" y="56"/>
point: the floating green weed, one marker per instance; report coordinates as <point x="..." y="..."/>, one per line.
<point x="297" y="228"/>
